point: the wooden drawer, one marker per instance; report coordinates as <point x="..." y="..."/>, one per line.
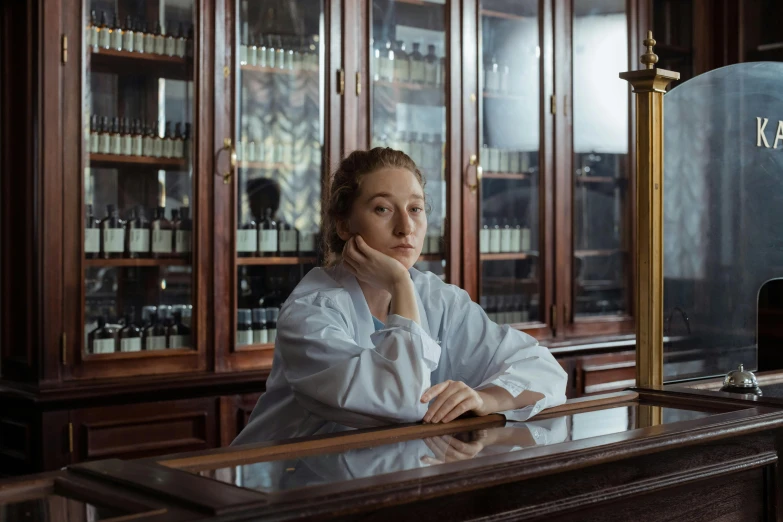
<point x="235" y="411"/>
<point x="143" y="430"/>
<point x="606" y="372"/>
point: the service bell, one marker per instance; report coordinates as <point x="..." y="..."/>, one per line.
<point x="741" y="381"/>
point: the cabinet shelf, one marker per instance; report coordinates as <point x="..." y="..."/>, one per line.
<point x="255" y="347"/>
<point x="506" y="175"/>
<point x="598" y="253"/>
<point x="508" y="16"/>
<point x="147" y="64"/>
<point x="276" y="261"/>
<point x="117" y="160"/>
<point x="500" y="96"/>
<point x="508" y="256"/>
<point x="168" y="352"/>
<point x="173" y="261"/>
<point x="276" y="70"/>
<point x="265" y="165"/>
<point x="598" y="179"/>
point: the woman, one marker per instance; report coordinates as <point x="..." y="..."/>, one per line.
<point x="372" y="341"/>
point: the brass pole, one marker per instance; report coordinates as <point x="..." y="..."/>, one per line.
<point x="649" y="84"/>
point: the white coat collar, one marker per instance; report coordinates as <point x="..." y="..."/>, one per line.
<point x="365" y="327"/>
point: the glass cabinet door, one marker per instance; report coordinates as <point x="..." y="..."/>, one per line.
<point x="510" y="69"/>
<point x="279" y="129"/>
<point x="408" y="67"/>
<point x="601" y="257"/>
<point x="138" y="180"/>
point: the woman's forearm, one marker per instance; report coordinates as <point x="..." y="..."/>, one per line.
<point x="403" y="302"/>
<point x="498" y="399"/>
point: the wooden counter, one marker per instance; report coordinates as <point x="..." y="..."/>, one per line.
<point x="635" y="455"/>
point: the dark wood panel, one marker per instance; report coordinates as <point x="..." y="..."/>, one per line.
<point x="140" y="430"/>
<point x="235" y="411"/>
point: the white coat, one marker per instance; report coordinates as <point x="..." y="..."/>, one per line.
<point x="332" y="371"/>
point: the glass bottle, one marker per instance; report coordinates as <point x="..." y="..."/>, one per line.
<point x="155" y="334"/>
<point x="148" y="142"/>
<point x="149" y="39"/>
<point x="160" y="40"/>
<point x="376" y="61"/>
<point x="388" y="72"/>
<point x="280" y="54"/>
<point x="102" y="339"/>
<point x="243" y="45"/>
<point x="168" y="141"/>
<point x="128" y="35"/>
<point x="116" y="34"/>
<point x="157" y="143"/>
<point x="95" y="31"/>
<point x="484" y="238"/>
<point x="160" y="234"/>
<point x="138" y="39"/>
<point x="401" y="63"/>
<point x="307" y="241"/>
<point x="176" y="222"/>
<point x="137" y="140"/>
<point x="503" y="81"/>
<point x="137" y="235"/>
<point x="187" y="143"/>
<point x="170" y="44"/>
<point x="271" y="325"/>
<point x="525" y="239"/>
<point x="115" y="138"/>
<point x="441" y="80"/>
<point x="516" y="237"/>
<point x="104" y="136"/>
<point x="177" y="333"/>
<point x="126" y="138"/>
<point x="181" y="46"/>
<point x="112" y="234"/>
<point x="130" y="334"/>
<point x="260" y="333"/>
<point x="267" y="235"/>
<point x="494" y="237"/>
<point x="182" y="240"/>
<point x="271" y="52"/>
<point x="252" y="51"/>
<point x="417" y="74"/>
<point x="505" y="237"/>
<point x="178" y="150"/>
<point x="290" y="55"/>
<point x="94" y="135"/>
<point x="287" y="240"/>
<point x="244" y="327"/>
<point x="491" y="76"/>
<point x="247" y="239"/>
<point x="261" y="54"/>
<point x="431" y="66"/>
<point x="92" y="235"/>
<point x="105" y="32"/>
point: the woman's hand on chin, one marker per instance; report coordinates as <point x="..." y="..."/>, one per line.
<point x="373" y="267"/>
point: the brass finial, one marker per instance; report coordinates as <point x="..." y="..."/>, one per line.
<point x="649" y="58"/>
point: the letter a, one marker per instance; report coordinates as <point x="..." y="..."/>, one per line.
<point x="779" y="135"/>
<point x="760" y="132"/>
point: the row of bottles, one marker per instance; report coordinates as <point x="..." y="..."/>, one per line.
<point x="507" y="161"/>
<point x="497" y="77"/>
<point x="506" y="309"/>
<point x="266" y="149"/>
<point x="124" y="137"/>
<point x="134" y="36"/>
<point x="257" y="326"/>
<point x="272" y="239"/>
<point x="494" y="238"/>
<point x="155" y="333"/>
<point x="112" y="237"/>
<point x="280" y="52"/>
<point x="392" y="63"/>
<point x="426" y="150"/>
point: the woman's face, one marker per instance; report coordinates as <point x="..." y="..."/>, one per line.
<point x="389" y="214"/>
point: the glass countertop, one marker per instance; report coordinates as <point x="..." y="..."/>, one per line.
<point x="276" y="476"/>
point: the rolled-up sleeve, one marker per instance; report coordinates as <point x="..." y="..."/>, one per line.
<point x="358" y="386"/>
<point x="486" y="354"/>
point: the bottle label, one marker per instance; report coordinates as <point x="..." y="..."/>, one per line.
<point x="401" y="70"/>
<point x="287" y="241"/>
<point x="161" y="241"/>
<point x="525" y="239"/>
<point x="136" y="145"/>
<point x="132" y="344"/>
<point x="179" y="341"/>
<point x="95" y="39"/>
<point x="160" y="44"/>
<point x="156" y="342"/>
<point x="138" y="42"/>
<point x="171" y="46"/>
<point x="431" y="73"/>
<point x="116" y="40"/>
<point x="182" y="243"/>
<point x="104" y="147"/>
<point x="103" y="346"/>
<point x="260" y="336"/>
<point x="127" y="145"/>
<point x="113" y="239"/>
<point x="115" y="144"/>
<point x="307" y="242"/>
<point x="516" y="240"/>
<point x="272" y="334"/>
<point x="180" y="49"/>
<point x="127" y="40"/>
<point x="268" y="241"/>
<point x="484" y="241"/>
<point x="494" y="240"/>
<point x="92" y="240"/>
<point x="139" y="240"/>
<point x="168" y="148"/>
<point x="105" y="38"/>
<point x="179" y="149"/>
<point x="157" y="147"/>
<point x="148" y="146"/>
<point x="505" y="240"/>
<point x="244" y="337"/>
<point x="94" y="142"/>
<point x="247" y="241"/>
<point x="417" y="71"/>
<point x="149" y="43"/>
